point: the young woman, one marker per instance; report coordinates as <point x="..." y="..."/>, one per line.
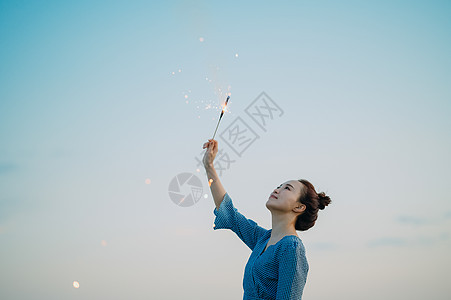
<point x="277" y="267"/>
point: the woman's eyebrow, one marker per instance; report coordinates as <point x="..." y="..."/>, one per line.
<point x="289" y="185"/>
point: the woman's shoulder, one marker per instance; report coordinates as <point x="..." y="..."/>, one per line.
<point x="292" y="242"/>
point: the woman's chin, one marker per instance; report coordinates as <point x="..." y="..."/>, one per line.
<point x="270" y="203"/>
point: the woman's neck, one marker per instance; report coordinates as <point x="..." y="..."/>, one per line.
<point x="282" y="226"/>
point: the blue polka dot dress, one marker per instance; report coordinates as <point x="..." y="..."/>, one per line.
<point x="279" y="272"/>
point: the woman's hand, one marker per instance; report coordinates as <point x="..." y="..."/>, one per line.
<point x="211" y="152"/>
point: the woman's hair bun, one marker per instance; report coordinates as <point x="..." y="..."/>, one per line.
<point x="323" y="200"/>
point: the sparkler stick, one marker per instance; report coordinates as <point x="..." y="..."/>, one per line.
<point x="220" y="117"/>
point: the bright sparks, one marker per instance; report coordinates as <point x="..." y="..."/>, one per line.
<point x="210" y="181"/>
<point x="76" y="284"/>
<point x="224" y="108"/>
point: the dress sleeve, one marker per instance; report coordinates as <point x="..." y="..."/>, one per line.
<point x="228" y="217"/>
<point x="293" y="269"/>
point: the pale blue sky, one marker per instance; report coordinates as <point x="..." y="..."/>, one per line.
<point x="90" y="109"/>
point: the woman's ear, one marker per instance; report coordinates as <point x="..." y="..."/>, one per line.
<point x="300" y="208"/>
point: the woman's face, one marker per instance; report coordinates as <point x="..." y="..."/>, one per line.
<point x="285" y="196"/>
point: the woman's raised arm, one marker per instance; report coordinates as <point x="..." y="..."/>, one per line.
<point x="217" y="190"/>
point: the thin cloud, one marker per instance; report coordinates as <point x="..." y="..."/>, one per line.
<point x="323" y="246"/>
<point x="387" y="241"/>
<point x="413" y="220"/>
<point x="422" y="240"/>
<point x="6" y="168"/>
<point x="422" y="221"/>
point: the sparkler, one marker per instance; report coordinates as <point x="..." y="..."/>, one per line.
<point x="220" y="117"/>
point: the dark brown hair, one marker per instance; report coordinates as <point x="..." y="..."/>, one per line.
<point x="313" y="202"/>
